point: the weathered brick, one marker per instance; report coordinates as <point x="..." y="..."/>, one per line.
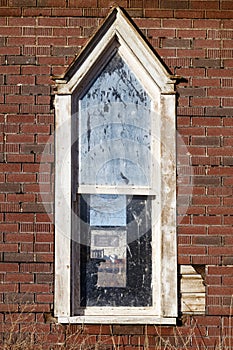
<point x="173" y="4"/>
<point x="35" y="90"/>
<point x="67" y="12"/>
<point x="135" y="3"/>
<point x="22" y="3"/>
<point x="7" y="11"/>
<point x="117" y="329"/>
<point x="21" y="60"/>
<point x="6" y="187"/>
<point x="157" y="13"/>
<point x="212" y="111"/>
<point x="190" y="14"/>
<point x="207" y="240"/>
<point x="176" y="43"/>
<point x="51" y="3"/>
<point x="207" y="141"/>
<point x="219" y="14"/>
<point x="18" y="257"/>
<point x="88" y="4"/>
<point x="210" y="4"/>
<point x="36" y="208"/>
<point x="65" y="51"/>
<point x="206" y="180"/>
<point x="197" y="62"/>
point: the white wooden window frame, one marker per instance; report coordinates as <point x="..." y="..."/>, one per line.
<point x="118" y="33"/>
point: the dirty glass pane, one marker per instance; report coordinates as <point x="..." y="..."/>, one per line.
<point x="107" y="210"/>
<point x="116" y="261"/>
<point x="115" y="129"/>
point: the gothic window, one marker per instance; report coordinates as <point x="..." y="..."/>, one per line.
<point x="115" y="183"/>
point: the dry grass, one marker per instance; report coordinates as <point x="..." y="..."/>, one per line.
<point x="21" y="332"/>
<point x="28" y="339"/>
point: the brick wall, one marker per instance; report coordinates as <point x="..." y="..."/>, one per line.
<point x="38" y="39"/>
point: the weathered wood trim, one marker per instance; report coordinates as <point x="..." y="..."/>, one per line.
<point x="62" y="205"/>
<point x="118" y="190"/>
<point x="192" y="291"/>
<point x="168" y="206"/>
<point x="123" y="319"/>
<point x="124" y="32"/>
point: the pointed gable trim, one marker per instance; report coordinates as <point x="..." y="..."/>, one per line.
<point x="117" y="31"/>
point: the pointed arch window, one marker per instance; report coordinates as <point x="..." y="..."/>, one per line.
<point x="115" y="258"/>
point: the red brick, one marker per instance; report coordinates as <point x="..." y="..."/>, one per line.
<point x="220" y="251"/>
<point x="9" y="267"/>
<point x="210" y="4"/>
<point x="19" y="277"/>
<point x="34" y="288"/>
<point x="206" y="141"/>
<point x="176" y="43"/>
<point x="17" y="158"/>
<point x="19" y="217"/>
<point x="10" y="90"/>
<point x="31" y="129"/>
<point x="65" y="12"/>
<point x="51" y="3"/>
<point x="4" y="167"/>
<point x="195" y="250"/>
<point x="22" y="197"/>
<point x="21" y="41"/>
<point x="9" y="50"/>
<point x="44" y="298"/>
<point x="9" y="70"/>
<point x="226" y="151"/>
<point x="173" y="4"/>
<point x="24" y="80"/>
<point x="13" y="237"/>
<point x="88" y="4"/>
<point x="45" y="257"/>
<point x="219" y="211"/>
<point x="224" y="171"/>
<point x="207" y="220"/>
<point x="9" y="108"/>
<point x="226" y="5"/>
<point x="61" y="41"/>
<point x="34" y="12"/>
<point x="196" y="150"/>
<point x="212" y="280"/>
<point x="19" y="99"/>
<point x="5" y="187"/>
<point x="35" y="267"/>
<point x="20" y="138"/>
<point x="227" y="261"/>
<point x="5" y="227"/>
<point x="206" y="23"/>
<point x="207" y="240"/>
<point x="219" y="14"/>
<point x="206" y="160"/>
<point x="21" y="178"/>
<point x="155" y="13"/>
<point x="35" y="70"/>
<point x="6" y="11"/>
<point x="201" y="200"/>
<point x="189" y="14"/>
<point x="66" y="32"/>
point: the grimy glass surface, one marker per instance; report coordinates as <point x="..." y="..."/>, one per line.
<point x="116" y="261"/>
<point x="115" y="129"/>
<point x="114" y="149"/>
